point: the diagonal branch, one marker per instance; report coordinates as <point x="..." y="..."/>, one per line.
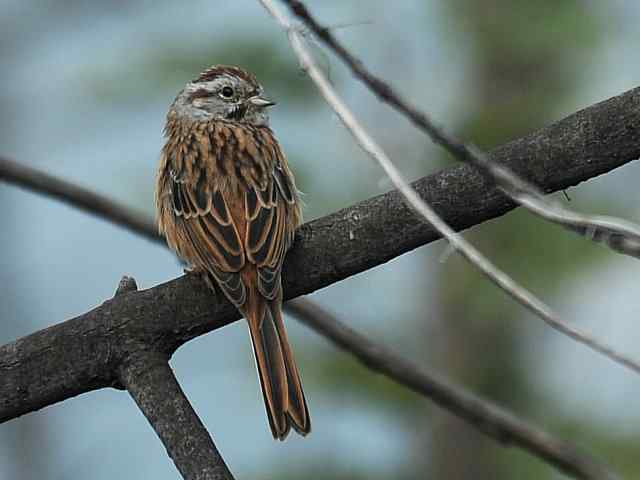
<point x="502" y="426"/>
<point x="151" y="382"/>
<point x="86" y="353"/>
<point x="79" y="197"/>
<point x="500" y="278"/>
<point x="620" y="235"/>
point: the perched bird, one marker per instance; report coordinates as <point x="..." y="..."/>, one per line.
<point x="228" y="205"/>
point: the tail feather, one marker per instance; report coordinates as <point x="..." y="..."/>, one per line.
<point x="279" y="378"/>
<point x="298" y="412"/>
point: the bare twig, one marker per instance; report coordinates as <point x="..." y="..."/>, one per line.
<point x="617" y="234"/>
<point x="501" y="425"/>
<point x="151" y="383"/>
<point x="468" y="251"/>
<point x="79" y="197"/>
<point x="621" y="235"/>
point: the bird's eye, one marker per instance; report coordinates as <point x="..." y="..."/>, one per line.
<point x="227" y="92"/>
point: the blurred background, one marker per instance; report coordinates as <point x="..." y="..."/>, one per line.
<point x="84" y="87"/>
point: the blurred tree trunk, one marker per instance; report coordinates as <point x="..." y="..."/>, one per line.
<point x="520" y="73"/>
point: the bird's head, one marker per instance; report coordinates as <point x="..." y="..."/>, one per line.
<point x="224" y="93"/>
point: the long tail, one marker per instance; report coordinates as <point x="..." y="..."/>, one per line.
<point x="281" y="386"/>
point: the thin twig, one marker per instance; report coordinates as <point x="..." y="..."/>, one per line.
<point x="615" y="233"/>
<point x="79" y="197"/>
<point x="499" y="424"/>
<point x="468" y="251"/>
<point x="607" y="229"/>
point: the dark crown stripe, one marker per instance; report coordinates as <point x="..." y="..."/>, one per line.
<point x="219" y="70"/>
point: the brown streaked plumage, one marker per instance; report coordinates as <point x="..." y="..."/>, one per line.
<point x="228" y="205"/>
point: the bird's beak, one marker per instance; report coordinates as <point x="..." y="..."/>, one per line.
<point x="261" y="102"/>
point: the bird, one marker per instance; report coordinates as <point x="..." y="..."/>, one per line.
<point x="228" y="205"/>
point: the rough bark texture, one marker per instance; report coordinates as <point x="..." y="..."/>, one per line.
<point x="150" y="381"/>
<point x="85" y="353"/>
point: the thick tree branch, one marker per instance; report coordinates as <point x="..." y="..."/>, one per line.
<point x="150" y="381"/>
<point x="493" y="421"/>
<point x="87" y="352"/>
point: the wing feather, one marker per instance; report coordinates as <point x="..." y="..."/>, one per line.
<point x="284" y="183"/>
<point x="211" y="230"/>
<point x="224" y="233"/>
<point x="260" y="232"/>
<point x="269" y="231"/>
<point x="219" y="208"/>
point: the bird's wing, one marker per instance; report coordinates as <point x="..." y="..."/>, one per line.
<point x="270" y="226"/>
<point x="210" y="234"/>
<point x="225" y="231"/>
